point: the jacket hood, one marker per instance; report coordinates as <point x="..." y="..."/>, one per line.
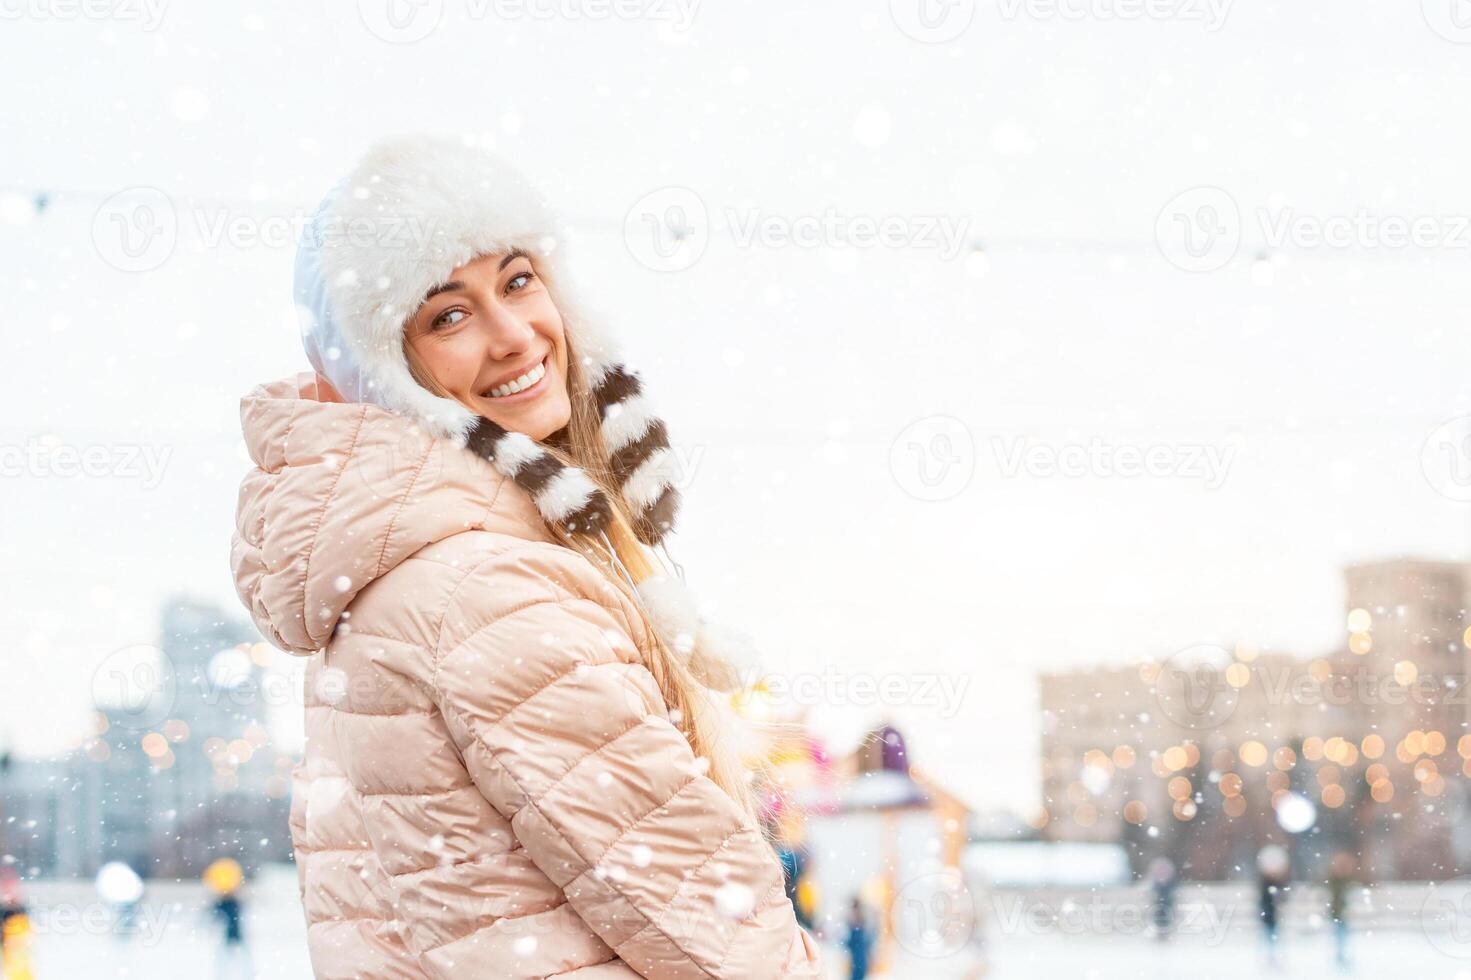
<point x="412" y="210"/>
<point x="341" y="493"/>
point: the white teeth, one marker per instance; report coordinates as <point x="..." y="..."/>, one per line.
<point x="520" y="384"/>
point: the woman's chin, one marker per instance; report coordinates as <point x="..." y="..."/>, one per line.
<point x="536" y="420"/>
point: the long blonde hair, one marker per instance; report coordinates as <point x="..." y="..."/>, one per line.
<point x="697" y="710"/>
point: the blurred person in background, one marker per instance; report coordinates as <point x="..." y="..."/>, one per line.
<point x="225" y="878"/>
<point x="796" y="860"/>
<point x="522" y="757"/>
<point x="858" y="940"/>
<point x="233" y="956"/>
<point x="1342" y="877"/>
<point x="1163" y="882"/>
<point x="1272" y="884"/>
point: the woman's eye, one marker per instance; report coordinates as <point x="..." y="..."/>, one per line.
<point x="518" y="277"/>
<point x="447" y="318"/>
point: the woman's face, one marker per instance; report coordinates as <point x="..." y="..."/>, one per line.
<point x="493" y="338"/>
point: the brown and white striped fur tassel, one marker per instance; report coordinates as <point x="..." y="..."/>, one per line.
<point x="638" y="450"/>
<point x="565" y="495"/>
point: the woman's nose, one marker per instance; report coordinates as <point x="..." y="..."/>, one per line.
<point x="506" y="334"/>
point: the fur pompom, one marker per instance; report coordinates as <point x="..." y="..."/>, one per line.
<point x="672" y="610"/>
<point x="723" y="658"/>
<point x="733" y="647"/>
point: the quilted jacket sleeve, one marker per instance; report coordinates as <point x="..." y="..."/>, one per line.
<point x="538" y="675"/>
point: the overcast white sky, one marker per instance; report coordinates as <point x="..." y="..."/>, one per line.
<point x="788" y="372"/>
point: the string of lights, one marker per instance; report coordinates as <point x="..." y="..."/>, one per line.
<point x="22" y="203"/>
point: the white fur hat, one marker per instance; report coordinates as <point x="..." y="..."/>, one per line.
<point x="414" y="209"/>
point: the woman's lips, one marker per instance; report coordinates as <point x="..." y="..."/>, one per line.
<point x="526" y="394"/>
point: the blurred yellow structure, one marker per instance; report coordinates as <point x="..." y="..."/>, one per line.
<point x="223" y="876"/>
<point x="15" y="942"/>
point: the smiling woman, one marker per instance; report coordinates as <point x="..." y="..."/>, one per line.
<point x="492" y="339"/>
<point x="521" y="759"/>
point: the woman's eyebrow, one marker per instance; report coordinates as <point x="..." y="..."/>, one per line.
<point x="446" y="287"/>
<point x="453" y="284"/>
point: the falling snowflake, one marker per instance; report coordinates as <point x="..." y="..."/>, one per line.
<point x="734" y="901"/>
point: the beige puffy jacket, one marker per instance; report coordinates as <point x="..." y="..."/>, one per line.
<point x="491" y="785"/>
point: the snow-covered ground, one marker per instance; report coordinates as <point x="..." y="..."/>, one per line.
<point x="176" y="938"/>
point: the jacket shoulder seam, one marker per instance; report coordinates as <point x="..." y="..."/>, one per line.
<point x="306" y="570"/>
<point x="397" y="511"/>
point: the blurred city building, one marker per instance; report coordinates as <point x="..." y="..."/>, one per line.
<point x="178" y="770"/>
<point x="1207" y="755"/>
